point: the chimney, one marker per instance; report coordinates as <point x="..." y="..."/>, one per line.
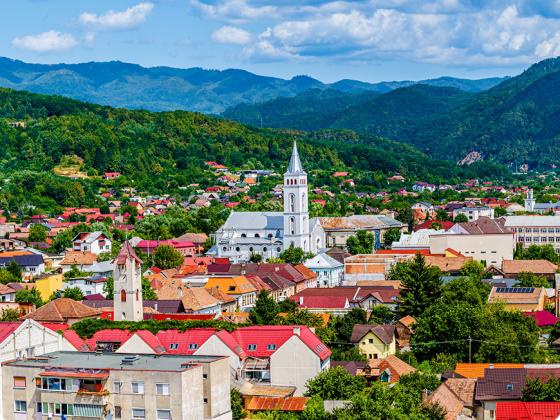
<point x="155" y="306"/>
<point x="301" y="301"/>
<point x="297" y="331"/>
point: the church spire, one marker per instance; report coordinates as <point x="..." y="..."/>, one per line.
<point x="295" y="167"/>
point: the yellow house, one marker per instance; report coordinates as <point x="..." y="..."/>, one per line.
<point x="374" y="341"/>
<point x="49" y="283"/>
<point x="238" y="287"/>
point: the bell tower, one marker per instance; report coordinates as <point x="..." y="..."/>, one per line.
<point x="127" y="291"/>
<point x="296" y="213"/>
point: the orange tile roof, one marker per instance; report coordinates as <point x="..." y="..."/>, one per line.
<point x="446" y="264"/>
<point x="476" y="370"/>
<point x="239" y="285"/>
<point x="62" y="309"/>
<point x="276" y="403"/>
<point x="529" y="266"/>
<point x="79" y="258"/>
<point x="446" y="398"/>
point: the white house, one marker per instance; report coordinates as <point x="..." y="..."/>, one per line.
<point x="88" y="285"/>
<point x="474" y="213"/>
<point x="94" y="242"/>
<point x="329" y="271"/>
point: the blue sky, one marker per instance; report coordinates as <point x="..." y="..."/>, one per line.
<point x="370" y="40"/>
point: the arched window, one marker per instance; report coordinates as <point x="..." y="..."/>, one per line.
<point x="237" y="248"/>
<point x="257" y="235"/>
<point x="278" y="249"/>
<point x="292" y="225"/>
<point x="243" y="235"/>
<point x="137" y="295"/>
<point x="123" y="296"/>
<point x="250" y="249"/>
<point x="270" y="235"/>
<point x="303" y="201"/>
<point x="292" y="203"/>
<point x="264" y="249"/>
<point x="318" y="243"/>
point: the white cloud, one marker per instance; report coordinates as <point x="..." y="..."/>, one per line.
<point x="236" y="11"/>
<point x="550" y="47"/>
<point x="50" y="41"/>
<point x="231" y="35"/>
<point x="112" y="20"/>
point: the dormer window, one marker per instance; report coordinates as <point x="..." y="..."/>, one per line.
<point x="193" y="346"/>
<point x="509" y="387"/>
<point x="251" y="347"/>
<point x="271" y="347"/>
<point x="173" y="346"/>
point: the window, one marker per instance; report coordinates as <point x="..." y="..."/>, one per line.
<point x="271" y="347"/>
<point x="231" y="288"/>
<point x="19" y="381"/>
<point x="370" y="340"/>
<point x="123" y="296"/>
<point x="55" y="384"/>
<point x="118" y="411"/>
<point x="257" y="235"/>
<point x="252" y="347"/>
<point x="162" y="389"/>
<point x="20" y="406"/>
<point x="237" y="248"/>
<point x="509" y="387"/>
<point x="138" y="413"/>
<point x="163" y="414"/>
<point x="264" y="249"/>
<point x="173" y="346"/>
<point x="205" y="400"/>
<point x="204" y="376"/>
<point x="492" y="414"/>
<point x="243" y="235"/>
<point x="193" y="346"/>
<point x="138" y="388"/>
<point x="117" y="386"/>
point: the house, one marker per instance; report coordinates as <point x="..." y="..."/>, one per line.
<point x="338" y="254"/>
<point x="198" y="239"/>
<point x="88" y="285"/>
<point x="388" y="369"/>
<point x="238" y="287"/>
<point x="195" y="299"/>
<point x="423" y="186"/>
<point x="474" y="213"/>
<point x="374" y="341"/>
<point x="30" y="263"/>
<point x="444" y="397"/>
<point x="94" y="242"/>
<point x="476" y="370"/>
<point x="48" y="283"/>
<point x="111" y="175"/>
<point x="339" y="229"/>
<point x="329" y="271"/>
<point x="521" y="410"/>
<point x="186" y="248"/>
<point x="544" y="268"/>
<point x="63" y="310"/>
<point x="82" y="260"/>
<point x="369" y="267"/>
<point x="115" y="385"/>
<point x="486" y="240"/>
<point x="451" y="265"/>
<point x="519" y="298"/>
<point x="542" y="318"/>
<point x="496" y="386"/>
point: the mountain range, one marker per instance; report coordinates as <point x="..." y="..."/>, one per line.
<point x="195" y="89"/>
<point x="514" y="122"/>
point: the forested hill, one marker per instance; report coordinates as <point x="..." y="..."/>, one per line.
<point x="161" y="151"/>
<point x="195" y="89"/>
<point x="515" y="122"/>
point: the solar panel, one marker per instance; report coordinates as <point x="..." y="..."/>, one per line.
<point x="515" y="289"/>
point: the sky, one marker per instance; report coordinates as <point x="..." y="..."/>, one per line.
<point x="370" y="40"/>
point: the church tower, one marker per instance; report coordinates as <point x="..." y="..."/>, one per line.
<point x="127" y="291"/>
<point x="296" y="216"/>
<point x="529" y="200"/>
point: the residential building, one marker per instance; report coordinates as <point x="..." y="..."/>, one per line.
<point x="186" y="248"/>
<point x="111" y="385"/>
<point x="88" y="285"/>
<point x="94" y="242"/>
<point x="64" y="311"/>
<point x="474" y="213"/>
<point x="487" y="240"/>
<point x="519" y="298"/>
<point x="374" y="341"/>
<point x="258" y="404"/>
<point x="370" y="267"/>
<point x="48" y="283"/>
<point x="538" y="230"/>
<point x="238" y="287"/>
<point x="339" y="229"/>
<point x="544" y="268"/>
<point x="498" y="385"/>
<point x="127" y="277"/>
<point x="83" y="261"/>
<point x="445" y="398"/>
<point x="270" y="233"/>
<point x="329" y="271"/>
<point x="522" y="410"/>
<point x="403" y="331"/>
<point x="387" y="369"/>
<point x="30" y="263"/>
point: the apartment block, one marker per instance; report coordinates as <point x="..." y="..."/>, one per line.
<point x="116" y="386"/>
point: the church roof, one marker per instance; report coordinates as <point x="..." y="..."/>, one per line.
<point x="295" y="167"/>
<point x="127" y="253"/>
<point x="254" y="220"/>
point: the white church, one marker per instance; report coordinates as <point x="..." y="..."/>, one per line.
<point x="270" y="233"/>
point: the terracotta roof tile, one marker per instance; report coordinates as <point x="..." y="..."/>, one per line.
<point x="464" y="388"/>
<point x="446" y="398"/>
<point x="276" y="404"/>
<point x="62" y="309"/>
<point x="476" y="370"/>
<point x="529" y="266"/>
<point x="79" y="258"/>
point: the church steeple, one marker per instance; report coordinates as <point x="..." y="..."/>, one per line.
<point x="296" y="217"/>
<point x="295" y="167"/>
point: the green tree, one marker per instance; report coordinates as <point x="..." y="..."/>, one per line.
<point x="37" y="233"/>
<point x="360" y="243"/>
<point x="335" y="384"/>
<point x="73" y="293"/>
<point x="148" y="293"/>
<point x="108" y="288"/>
<point x="421" y="286"/>
<point x="473" y="268"/>
<point x="265" y="310"/>
<point x="461" y="218"/>
<point x="442" y="215"/>
<point x="537" y="390"/>
<point x="499" y="212"/>
<point x="237" y="404"/>
<point x="390" y="236"/>
<point x="381" y="314"/>
<point x="14" y="269"/>
<point x="532" y="280"/>
<point x="7" y="277"/>
<point x="29" y="297"/>
<point x="293" y="255"/>
<point x="165" y="257"/>
<point x="256" y="258"/>
<point x="9" y="314"/>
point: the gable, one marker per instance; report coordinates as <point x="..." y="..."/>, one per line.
<point x="135" y="344"/>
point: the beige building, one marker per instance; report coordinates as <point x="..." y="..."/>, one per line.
<point x="116" y="386"/>
<point x="535" y="230"/>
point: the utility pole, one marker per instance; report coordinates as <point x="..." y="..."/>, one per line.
<point x="470" y="348"/>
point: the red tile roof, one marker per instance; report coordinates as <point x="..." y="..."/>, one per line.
<point x="518" y="410"/>
<point x="320" y="302"/>
<point x="542" y="318"/>
<point x="6" y="328"/>
<point x="196" y="336"/>
<point x="127" y="252"/>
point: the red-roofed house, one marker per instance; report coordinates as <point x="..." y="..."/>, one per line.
<point x="542" y="318"/>
<point x="517" y="410"/>
<point x="186" y="248"/>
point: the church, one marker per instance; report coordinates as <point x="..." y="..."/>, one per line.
<point x="270" y="233"/>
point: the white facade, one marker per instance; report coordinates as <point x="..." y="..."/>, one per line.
<point x="329" y="271"/>
<point x="535" y="230"/>
<point x="87" y="286"/>
<point x="270" y="233"/>
<point x="94" y="242"/>
<point x="127" y="301"/>
<point x="490" y="248"/>
<point x="474" y="213"/>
